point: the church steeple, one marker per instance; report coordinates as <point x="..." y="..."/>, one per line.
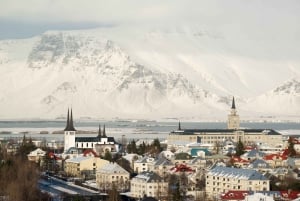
<point x="233" y="103"/>
<point x="99" y="131"/>
<point x="104" y="132"/>
<point x="233" y="117"/>
<point x="179" y="126"/>
<point x="67" y="125"/>
<point x="71" y="122"/>
<point x="70" y="125"/>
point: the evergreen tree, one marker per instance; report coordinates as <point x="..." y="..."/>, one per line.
<point x="239" y="150"/>
<point x="291" y="149"/>
<point x="107" y="156"/>
<point x="131" y="147"/>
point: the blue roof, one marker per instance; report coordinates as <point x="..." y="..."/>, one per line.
<point x="236" y="173"/>
<point x="195" y="150"/>
<point x="259" y="163"/>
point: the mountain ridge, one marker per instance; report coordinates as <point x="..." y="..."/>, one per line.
<point x="97" y="76"/>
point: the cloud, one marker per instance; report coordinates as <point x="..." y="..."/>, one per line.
<point x="255" y="19"/>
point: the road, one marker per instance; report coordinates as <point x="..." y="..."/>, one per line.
<point x="58" y="188"/>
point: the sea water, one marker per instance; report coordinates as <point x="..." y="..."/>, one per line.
<point x="121" y="129"/>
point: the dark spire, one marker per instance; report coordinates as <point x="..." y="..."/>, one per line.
<point x="233" y="103"/>
<point x="104" y="133"/>
<point x="99" y="132"/>
<point x="71" y="125"/>
<point x="67" y="126"/>
<point x="179" y="126"/>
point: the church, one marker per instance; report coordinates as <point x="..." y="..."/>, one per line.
<point x="233" y="132"/>
<point x="100" y="143"/>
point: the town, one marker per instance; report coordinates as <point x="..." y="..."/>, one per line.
<point x="227" y="164"/>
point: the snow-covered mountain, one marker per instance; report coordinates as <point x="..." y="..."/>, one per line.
<point x="108" y="73"/>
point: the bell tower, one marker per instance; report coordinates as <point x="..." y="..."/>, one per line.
<point x="233" y="117"/>
<point x="69" y="132"/>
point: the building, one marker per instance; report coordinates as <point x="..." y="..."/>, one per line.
<point x="223" y="179"/>
<point x="112" y="173"/>
<point x="82" y="166"/>
<point x="100" y="143"/>
<point x="36" y="155"/>
<point x="148" y="184"/>
<point x="142" y="165"/>
<point x="233" y="133"/>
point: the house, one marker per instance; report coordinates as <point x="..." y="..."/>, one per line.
<point x="167" y="154"/>
<point x="239" y="162"/>
<point x="222" y="179"/>
<point x="252" y="155"/>
<point x="260" y="166"/>
<point x="36" y="155"/>
<point x="112" y="173"/>
<point x="83" y="166"/>
<point x="142" y="165"/>
<point x="148" y="184"/>
<point x="276" y="160"/>
<point x="161" y="166"/>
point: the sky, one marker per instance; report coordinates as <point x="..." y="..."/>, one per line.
<point x="259" y="19"/>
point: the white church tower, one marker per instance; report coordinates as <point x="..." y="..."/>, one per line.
<point x="70" y="133"/>
<point x="233" y="117"/>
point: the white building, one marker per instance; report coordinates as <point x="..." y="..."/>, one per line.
<point x="101" y="143"/>
<point x="148" y="184"/>
<point x="222" y="179"/>
<point x="36" y="155"/>
<point x="110" y="174"/>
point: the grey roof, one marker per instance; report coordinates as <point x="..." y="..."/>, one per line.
<point x="143" y="160"/>
<point x="112" y="168"/>
<point x="259" y="163"/>
<point x="93" y="139"/>
<point x="163" y="161"/>
<point x="254" y="153"/>
<point x="236" y="173"/>
<point x="149" y="177"/>
<point x="197" y="159"/>
<point x="224" y="131"/>
<point x="78" y="159"/>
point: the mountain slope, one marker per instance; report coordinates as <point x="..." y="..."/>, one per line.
<point x="107" y="73"/>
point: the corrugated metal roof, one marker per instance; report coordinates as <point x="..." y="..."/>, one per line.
<point x="236" y="173"/>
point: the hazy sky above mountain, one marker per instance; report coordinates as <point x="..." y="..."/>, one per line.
<point x="255" y="18"/>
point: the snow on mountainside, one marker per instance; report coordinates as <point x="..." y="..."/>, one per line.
<point x="284" y="98"/>
<point x="108" y="73"/>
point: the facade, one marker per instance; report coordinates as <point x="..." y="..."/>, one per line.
<point x="110" y="174"/>
<point x="223" y="179"/>
<point x="80" y="165"/>
<point x="143" y="164"/>
<point x="233" y="133"/>
<point x="148" y="184"/>
<point x="101" y="143"/>
<point x="36" y="155"/>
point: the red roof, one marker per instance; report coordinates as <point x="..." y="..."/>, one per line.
<point x="234" y="195"/>
<point x="275" y="156"/>
<point x="237" y="159"/>
<point x="290" y="195"/>
<point x="182" y="168"/>
<point x="53" y="156"/>
<point x="89" y="152"/>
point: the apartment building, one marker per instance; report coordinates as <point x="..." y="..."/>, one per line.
<point x="223" y="179"/>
